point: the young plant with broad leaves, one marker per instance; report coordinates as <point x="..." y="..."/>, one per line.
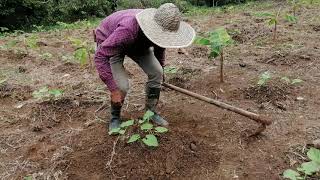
<point x="147" y="132"/>
<point x="217" y="41"/>
<point x="291" y="81"/>
<point x="306" y="169"/>
<point x="82" y="52"/>
<point x="46" y="94"/>
<point x="272" y="19"/>
<point x="264" y="78"/>
<point x="31" y="42"/>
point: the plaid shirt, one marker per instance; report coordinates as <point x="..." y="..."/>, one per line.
<point x="120" y="33"/>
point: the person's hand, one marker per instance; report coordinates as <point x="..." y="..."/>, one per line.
<point x="117" y="97"/>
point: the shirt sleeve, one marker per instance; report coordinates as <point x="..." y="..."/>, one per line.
<point x="113" y="45"/>
<point x="160" y="54"/>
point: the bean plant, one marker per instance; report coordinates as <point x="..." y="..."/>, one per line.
<point x="147" y="132"/>
<point x="306" y="169"/>
<point x="217" y="41"/>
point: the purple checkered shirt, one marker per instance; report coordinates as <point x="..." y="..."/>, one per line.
<point x="120" y="33"/>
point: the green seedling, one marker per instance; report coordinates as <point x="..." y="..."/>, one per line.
<point x="292" y="82"/>
<point x="9" y="45"/>
<point x="170" y="70"/>
<point x="307" y="168"/>
<point x="31" y="41"/>
<point x="82" y="52"/>
<point x="46" y="56"/>
<point x="291" y="18"/>
<point x="46" y="94"/>
<point x="272" y="20"/>
<point x="217" y="41"/>
<point x="3" y="81"/>
<point x="147" y="131"/>
<point x="264" y="78"/>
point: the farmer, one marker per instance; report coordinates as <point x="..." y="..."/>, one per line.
<point x="143" y="36"/>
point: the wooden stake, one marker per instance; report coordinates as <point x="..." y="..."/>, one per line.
<point x="221" y="66"/>
<point x="222" y="105"/>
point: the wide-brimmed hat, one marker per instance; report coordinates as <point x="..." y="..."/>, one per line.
<point x="163" y="26"/>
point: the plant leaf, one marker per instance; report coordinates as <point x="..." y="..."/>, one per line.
<point x="272" y="21"/>
<point x="291" y="18"/>
<point x="27" y="178"/>
<point x="114" y="131"/>
<point x="285" y="79"/>
<point x="161" y="129"/>
<point x="264" y="77"/>
<point x="291" y="174"/>
<point x="219" y="38"/>
<point x="150" y="140"/>
<point x="134" y="138"/>
<point x="146" y="126"/>
<point x="309" y="167"/>
<point x="170" y="70"/>
<point x="295" y="81"/>
<point x="147" y="115"/>
<point x="3" y="81"/>
<point x="55" y="92"/>
<point x="122" y="131"/>
<point x="82" y="56"/>
<point x="202" y="41"/>
<point x="314" y="155"/>
<point x="127" y="123"/>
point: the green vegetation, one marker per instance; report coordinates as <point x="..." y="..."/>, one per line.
<point x="25" y="14"/>
<point x="306" y="169"/>
<point x="146" y="131"/>
<point x="170" y="70"/>
<point x="265" y="77"/>
<point x="45" y="94"/>
<point x="217" y="41"/>
<point x="83" y="50"/>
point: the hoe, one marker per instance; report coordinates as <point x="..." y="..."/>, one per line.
<point x="257" y="118"/>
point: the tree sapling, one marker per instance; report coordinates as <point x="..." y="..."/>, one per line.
<point x="217" y="41"/>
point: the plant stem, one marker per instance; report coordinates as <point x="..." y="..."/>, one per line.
<point x="275" y="31"/>
<point x="221" y="66"/>
<point x="275" y="24"/>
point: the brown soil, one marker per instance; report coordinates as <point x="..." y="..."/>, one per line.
<point x="67" y="138"/>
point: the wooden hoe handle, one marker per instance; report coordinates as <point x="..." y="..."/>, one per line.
<point x="222" y="105"/>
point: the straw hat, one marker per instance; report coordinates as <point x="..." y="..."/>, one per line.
<point x="163" y="26"/>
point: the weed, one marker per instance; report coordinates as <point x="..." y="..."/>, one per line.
<point x="264" y="78"/>
<point x="46" y="56"/>
<point x="307" y="168"/>
<point x="45" y="94"/>
<point x="2" y="81"/>
<point x="292" y="82"/>
<point x="147" y="131"/>
<point x="9" y="45"/>
<point x="170" y="70"/>
<point x="217" y="41"/>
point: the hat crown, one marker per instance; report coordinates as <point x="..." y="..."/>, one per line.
<point x="168" y="17"/>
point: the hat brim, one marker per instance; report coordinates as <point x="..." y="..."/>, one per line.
<point x="183" y="37"/>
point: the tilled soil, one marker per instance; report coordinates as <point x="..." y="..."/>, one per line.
<point x="67" y="138"/>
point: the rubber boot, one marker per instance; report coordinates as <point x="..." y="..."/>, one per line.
<point x="152" y="100"/>
<point x="115" y="116"/>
